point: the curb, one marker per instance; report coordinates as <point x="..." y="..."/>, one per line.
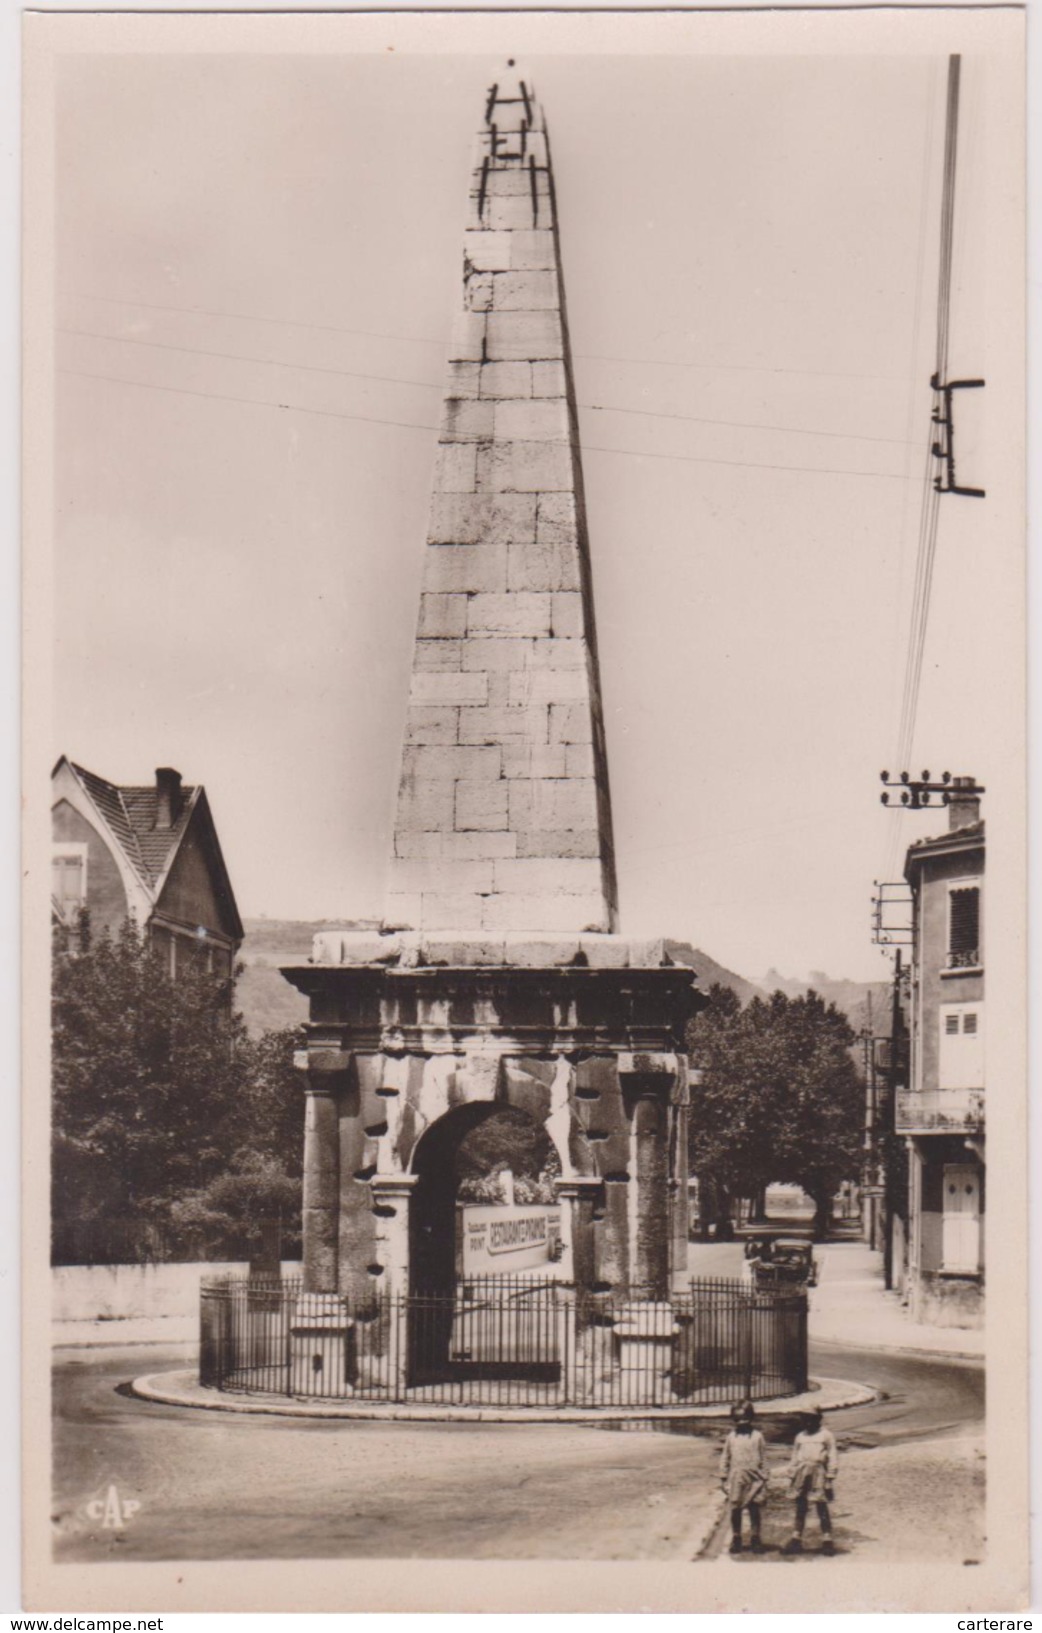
<point x="976" y="1357"/>
<point x="180" y="1388"/>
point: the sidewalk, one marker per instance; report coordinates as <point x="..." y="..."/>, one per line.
<point x="851" y="1306"/>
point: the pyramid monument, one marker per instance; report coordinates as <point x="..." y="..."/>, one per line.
<point x="504" y="818"/>
<point x="499" y="978"/>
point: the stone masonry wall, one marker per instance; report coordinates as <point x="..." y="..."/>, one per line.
<point x="503" y="819"/>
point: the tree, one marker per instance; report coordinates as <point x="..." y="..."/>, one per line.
<point x="159" y="1095"/>
<point x="779" y="1098"/>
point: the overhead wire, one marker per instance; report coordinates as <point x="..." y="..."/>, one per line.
<point x="930" y="511"/>
<point x="413" y="425"/>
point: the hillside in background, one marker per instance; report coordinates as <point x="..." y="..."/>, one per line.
<point x="268" y="1002"/>
<point x="712" y="974"/>
<point x="852" y="997"/>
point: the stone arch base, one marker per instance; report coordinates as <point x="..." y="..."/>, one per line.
<point x="592" y="1052"/>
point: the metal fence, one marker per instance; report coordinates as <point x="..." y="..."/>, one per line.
<point x="505" y="1342"/>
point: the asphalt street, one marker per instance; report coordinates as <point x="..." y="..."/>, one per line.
<point x="215" y="1486"/>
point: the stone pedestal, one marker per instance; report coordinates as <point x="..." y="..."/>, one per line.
<point x="645" y="1336"/>
<point x="320" y="1359"/>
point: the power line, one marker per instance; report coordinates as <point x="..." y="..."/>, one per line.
<point x="250" y="317"/>
<point x="237" y="357"/>
<point x="433" y="385"/>
<point x="426" y="340"/>
<point x="411" y="425"/>
<point x="743" y="425"/>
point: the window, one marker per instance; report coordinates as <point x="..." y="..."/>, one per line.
<point x="964" y="927"/>
<point x="961" y="1060"/>
<point x="68" y="880"/>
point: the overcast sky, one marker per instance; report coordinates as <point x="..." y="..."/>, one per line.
<point x="257" y="260"/>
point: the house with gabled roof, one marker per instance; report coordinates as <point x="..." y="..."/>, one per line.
<point x="150" y="853"/>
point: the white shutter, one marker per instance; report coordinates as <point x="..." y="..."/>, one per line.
<point x="961" y="1047"/>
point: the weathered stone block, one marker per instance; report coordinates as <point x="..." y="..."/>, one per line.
<point x="514" y="211"/>
<point x="530" y="336"/>
<point x="480" y="845"/>
<point x="548" y="380"/>
<point x="532" y="249"/>
<point x="542" y="566"/>
<point x="463" y="379"/>
<point x="556" y="521"/>
<point x="477" y="292"/>
<point x="488" y="251"/>
<point x="534" y="758"/>
<point x="437" y="654"/>
<point x="429" y="725"/>
<point x="500" y="726"/>
<point x="466" y="417"/>
<point x="516" y="182"/>
<point x="559" y="654"/>
<point x="536" y="875"/>
<point x="497" y="654"/>
<point x="505" y="380"/>
<point x="444" y="764"/>
<point x="550" y="686"/>
<point x="442" y="876"/>
<point x="481" y="805"/>
<point x="570" y="723"/>
<point x="529" y="467"/>
<point x="553" y="802"/>
<point x="467" y="342"/>
<point x="443" y="615"/>
<point x="568" y="614"/>
<point x="418" y="845"/>
<point x="513" y="519"/>
<point x="513" y="614"/>
<point x="449" y="910"/>
<point x="459" y="518"/>
<point x="525" y="292"/>
<point x="532" y="421"/>
<point x="459" y="568"/>
<point x="559" y="841"/>
<point x="440" y="686"/>
<point x="455" y="467"/>
<point x="579" y="760"/>
<point x="544" y="913"/>
<point x="424" y="806"/>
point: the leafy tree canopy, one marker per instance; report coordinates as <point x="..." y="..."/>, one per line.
<point x="780" y="1098"/>
<point x="165" y="1113"/>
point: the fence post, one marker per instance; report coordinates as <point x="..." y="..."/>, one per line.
<point x="565" y="1306"/>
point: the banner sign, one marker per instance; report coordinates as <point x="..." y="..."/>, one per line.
<point x="508" y="1238"/>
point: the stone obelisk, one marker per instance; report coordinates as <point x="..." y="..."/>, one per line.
<point x="499" y="978"/>
<point x="504" y="819"/>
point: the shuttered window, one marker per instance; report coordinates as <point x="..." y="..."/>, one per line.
<point x="964" y="927"/>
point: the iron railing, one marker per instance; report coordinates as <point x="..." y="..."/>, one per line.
<point x="504" y="1341"/>
<point x="959" y="1110"/>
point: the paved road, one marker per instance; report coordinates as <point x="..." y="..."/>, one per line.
<point x="221" y="1486"/>
<point x="227" y="1487"/>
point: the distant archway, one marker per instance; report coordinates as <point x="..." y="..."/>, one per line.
<point x="457" y="1158"/>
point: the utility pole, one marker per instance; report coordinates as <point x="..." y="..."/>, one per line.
<point x="889" y="1140"/>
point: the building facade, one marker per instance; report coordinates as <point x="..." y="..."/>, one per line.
<point x="941" y="1113"/>
<point x="148" y="853"/>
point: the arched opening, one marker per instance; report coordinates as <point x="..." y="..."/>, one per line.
<point x="478" y="1160"/>
<point x="475" y="1154"/>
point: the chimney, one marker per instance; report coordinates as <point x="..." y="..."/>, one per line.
<point x="963" y="803"/>
<point x="168" y="797"/>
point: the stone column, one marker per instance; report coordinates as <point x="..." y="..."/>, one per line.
<point x="391" y="1198"/>
<point x="647" y="1083"/>
<point x="321" y="1187"/>
<point x="578" y="1197"/>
